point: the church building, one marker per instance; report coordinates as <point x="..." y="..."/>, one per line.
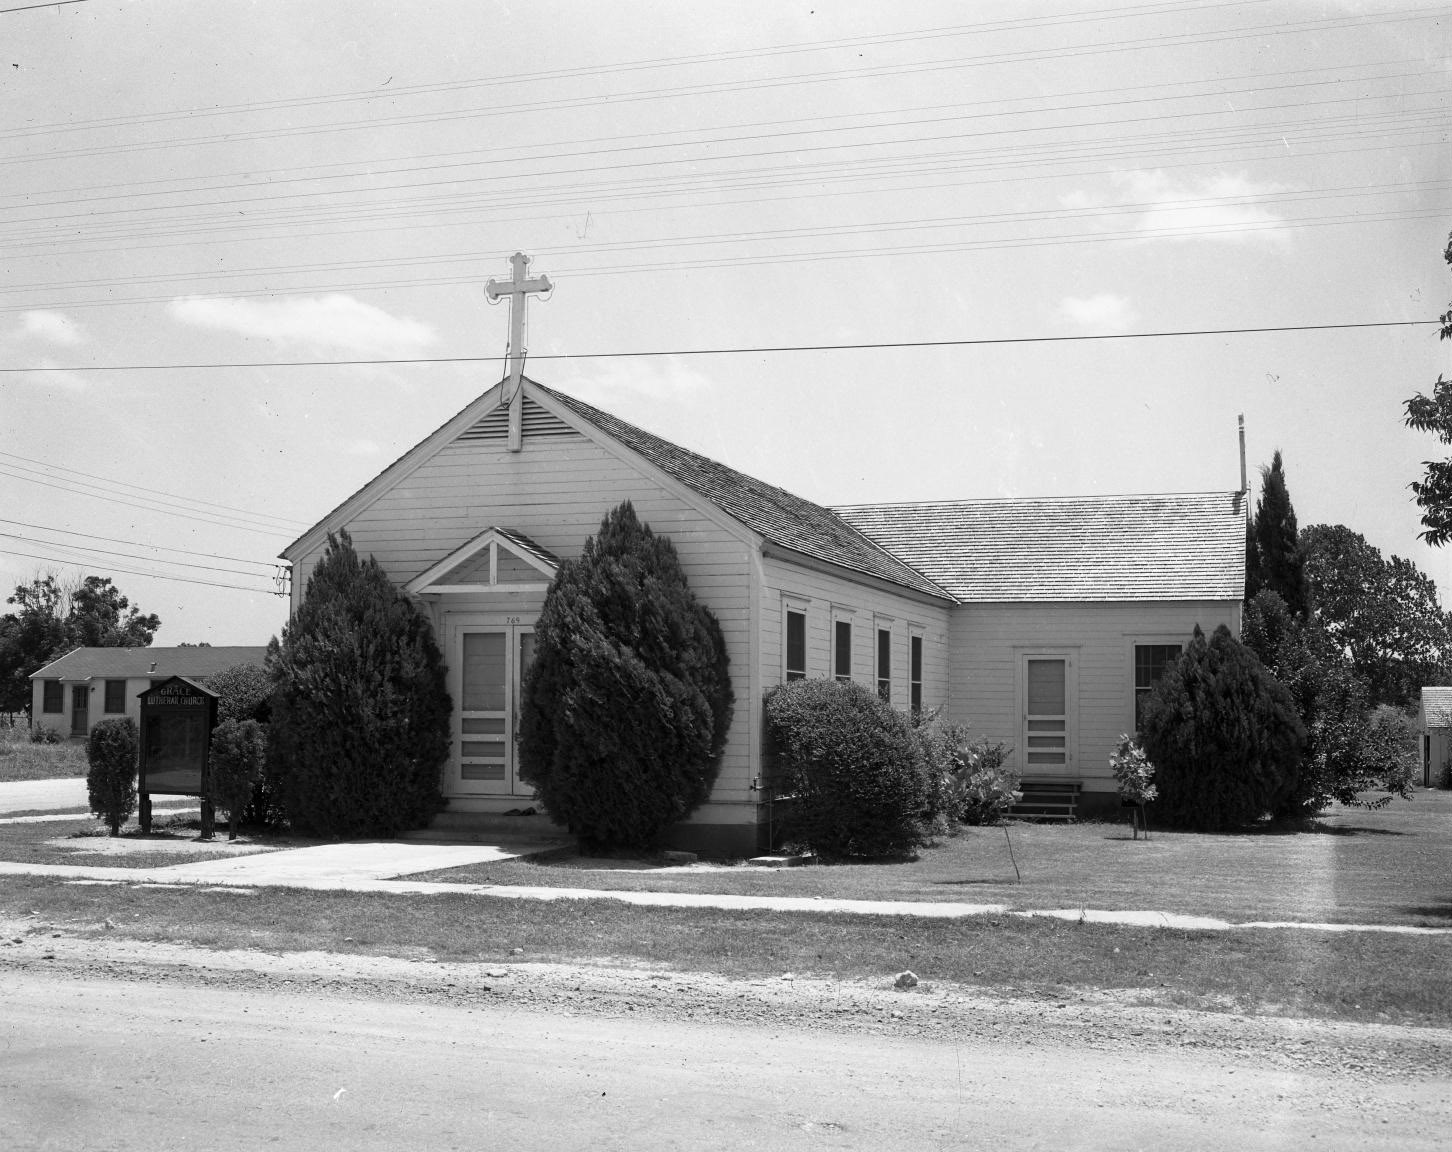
<point x="1041" y="622"/>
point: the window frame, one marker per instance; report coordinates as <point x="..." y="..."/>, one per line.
<point x="793" y="610"/>
<point x="52" y="705"/>
<point x="1136" y="692"/>
<point x="917" y="648"/>
<point x="842" y="653"/>
<point x="116" y="688"/>
<point x="882" y="659"/>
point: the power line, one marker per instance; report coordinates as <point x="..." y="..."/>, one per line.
<point x="89" y="549"/>
<point x="864" y="346"/>
<point x="138" y="572"/>
<point x="32" y="7"/>
<point x="137" y="544"/>
<point x="283" y="521"/>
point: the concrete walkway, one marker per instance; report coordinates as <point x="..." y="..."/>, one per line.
<point x="66" y="795"/>
<point x="367" y="867"/>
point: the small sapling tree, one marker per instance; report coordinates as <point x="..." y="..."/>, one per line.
<point x="628" y="701"/>
<point x="111" y="777"/>
<point x="238" y="753"/>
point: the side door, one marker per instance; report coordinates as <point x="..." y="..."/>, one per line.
<point x="1049" y="709"/>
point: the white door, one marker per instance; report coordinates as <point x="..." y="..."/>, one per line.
<point x="1047" y="717"/>
<point x="489" y="665"/>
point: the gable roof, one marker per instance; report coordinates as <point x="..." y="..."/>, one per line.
<point x="1094" y="548"/>
<point x="116" y="663"/>
<point x="771" y="512"/>
<point x="1437" y="707"/>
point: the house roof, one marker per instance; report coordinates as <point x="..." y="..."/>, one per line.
<point x="773" y="513"/>
<point x="116" y="663"/>
<point x="1437" y="707"/>
<point x="1093" y="548"/>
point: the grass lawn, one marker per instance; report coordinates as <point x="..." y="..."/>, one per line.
<point x="1363" y="976"/>
<point x="84" y="840"/>
<point x="1393" y="866"/>
<point x="22" y="760"/>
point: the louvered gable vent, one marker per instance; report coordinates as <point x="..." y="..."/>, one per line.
<point x="537" y="422"/>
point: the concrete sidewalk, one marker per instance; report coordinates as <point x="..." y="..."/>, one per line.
<point x="65" y="795"/>
<point x="367" y="867"/>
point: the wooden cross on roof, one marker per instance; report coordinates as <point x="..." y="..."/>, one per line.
<point x="517" y="289"/>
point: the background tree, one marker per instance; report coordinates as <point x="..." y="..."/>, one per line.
<point x="1383" y="614"/>
<point x="360" y="720"/>
<point x="1433" y="493"/>
<point x="1223" y="735"/>
<point x="1273" y="558"/>
<point x="52" y="617"/>
<point x="628" y="701"/>
<point x="244" y="691"/>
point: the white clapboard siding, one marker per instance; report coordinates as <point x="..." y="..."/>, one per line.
<point x="556" y="491"/>
<point x="988" y="640"/>
<point x="820" y="592"/>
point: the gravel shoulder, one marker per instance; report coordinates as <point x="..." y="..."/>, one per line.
<point x="1089" y="1020"/>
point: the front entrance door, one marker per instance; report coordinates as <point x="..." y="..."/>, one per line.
<point x="1048" y="716"/>
<point x="80" y="709"/>
<point x="489" y="665"/>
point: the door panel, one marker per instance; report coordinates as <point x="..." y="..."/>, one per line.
<point x="490" y="663"/>
<point x="80" y="709"/>
<point x="1046" y="715"/>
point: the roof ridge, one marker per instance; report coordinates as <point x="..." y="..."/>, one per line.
<point x="1104" y="496"/>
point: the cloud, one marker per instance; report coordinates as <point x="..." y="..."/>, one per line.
<point x="1102" y="313"/>
<point x="1219" y="208"/>
<point x="334" y="322"/>
<point x="661" y="379"/>
<point x="52" y="327"/>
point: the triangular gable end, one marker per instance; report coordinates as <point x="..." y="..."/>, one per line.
<point x="496" y="558"/>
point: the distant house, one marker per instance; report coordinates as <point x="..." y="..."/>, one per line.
<point x="71" y="694"/>
<point x="1436" y="734"/>
<point x="1042" y="622"/>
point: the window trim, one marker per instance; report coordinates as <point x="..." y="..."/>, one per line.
<point x="917" y="654"/>
<point x="791" y="608"/>
<point x="119" y="689"/>
<point x="46" y="708"/>
<point x="1135" y="643"/>
<point x="842" y="618"/>
<point x="882" y="658"/>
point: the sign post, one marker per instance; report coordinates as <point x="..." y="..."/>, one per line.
<point x="177" y="718"/>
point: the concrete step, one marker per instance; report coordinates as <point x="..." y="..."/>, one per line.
<point x="489" y="827"/>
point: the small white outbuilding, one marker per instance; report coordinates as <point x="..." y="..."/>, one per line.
<point x="1436" y="734"/>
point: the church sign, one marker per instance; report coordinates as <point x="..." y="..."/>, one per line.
<point x="177" y="718"/>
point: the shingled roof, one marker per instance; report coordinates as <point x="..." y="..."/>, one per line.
<point x="773" y="513"/>
<point x="123" y="663"/>
<point x="1096" y="548"/>
<point x="1437" y="707"/>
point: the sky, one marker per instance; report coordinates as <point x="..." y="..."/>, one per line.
<point x="226" y="229"/>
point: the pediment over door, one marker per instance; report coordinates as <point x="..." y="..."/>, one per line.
<point x="498" y="559"/>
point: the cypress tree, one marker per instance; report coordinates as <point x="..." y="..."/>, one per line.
<point x="628" y="700"/>
<point x="1223" y="735"/>
<point x="1273" y="557"/>
<point x="360" y="718"/>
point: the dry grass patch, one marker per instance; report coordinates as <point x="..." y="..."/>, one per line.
<point x="22" y="760"/>
<point x="1388" y="867"/>
<point x="85" y="840"/>
<point x="1371" y="976"/>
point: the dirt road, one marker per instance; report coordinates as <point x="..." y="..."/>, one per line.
<point x="114" y="1044"/>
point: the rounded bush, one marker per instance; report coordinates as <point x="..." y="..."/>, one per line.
<point x="244" y="693"/>
<point x="111" y="752"/>
<point x="360" y="720"/>
<point x="628" y="700"/>
<point x="1223" y="735"/>
<point x="238" y="752"/>
<point x="852" y="767"/>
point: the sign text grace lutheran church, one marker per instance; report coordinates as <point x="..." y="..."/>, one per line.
<point x="1043" y="622"/>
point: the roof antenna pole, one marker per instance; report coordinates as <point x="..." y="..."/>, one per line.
<point x="1244" y="491"/>
<point x="517" y="289"/>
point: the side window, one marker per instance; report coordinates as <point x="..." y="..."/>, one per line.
<point x="115" y="695"/>
<point x="796" y="645"/>
<point x="915" y="673"/>
<point x="54" y="697"/>
<point x="1150" y="662"/>
<point x="884" y="664"/>
<point x="842" y="649"/>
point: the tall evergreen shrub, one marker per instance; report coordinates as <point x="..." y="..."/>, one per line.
<point x="628" y="701"/>
<point x="852" y="767"/>
<point x="360" y="720"/>
<point x="238" y="752"/>
<point x="1274" y="559"/>
<point x="111" y="753"/>
<point x="1223" y="735"/>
